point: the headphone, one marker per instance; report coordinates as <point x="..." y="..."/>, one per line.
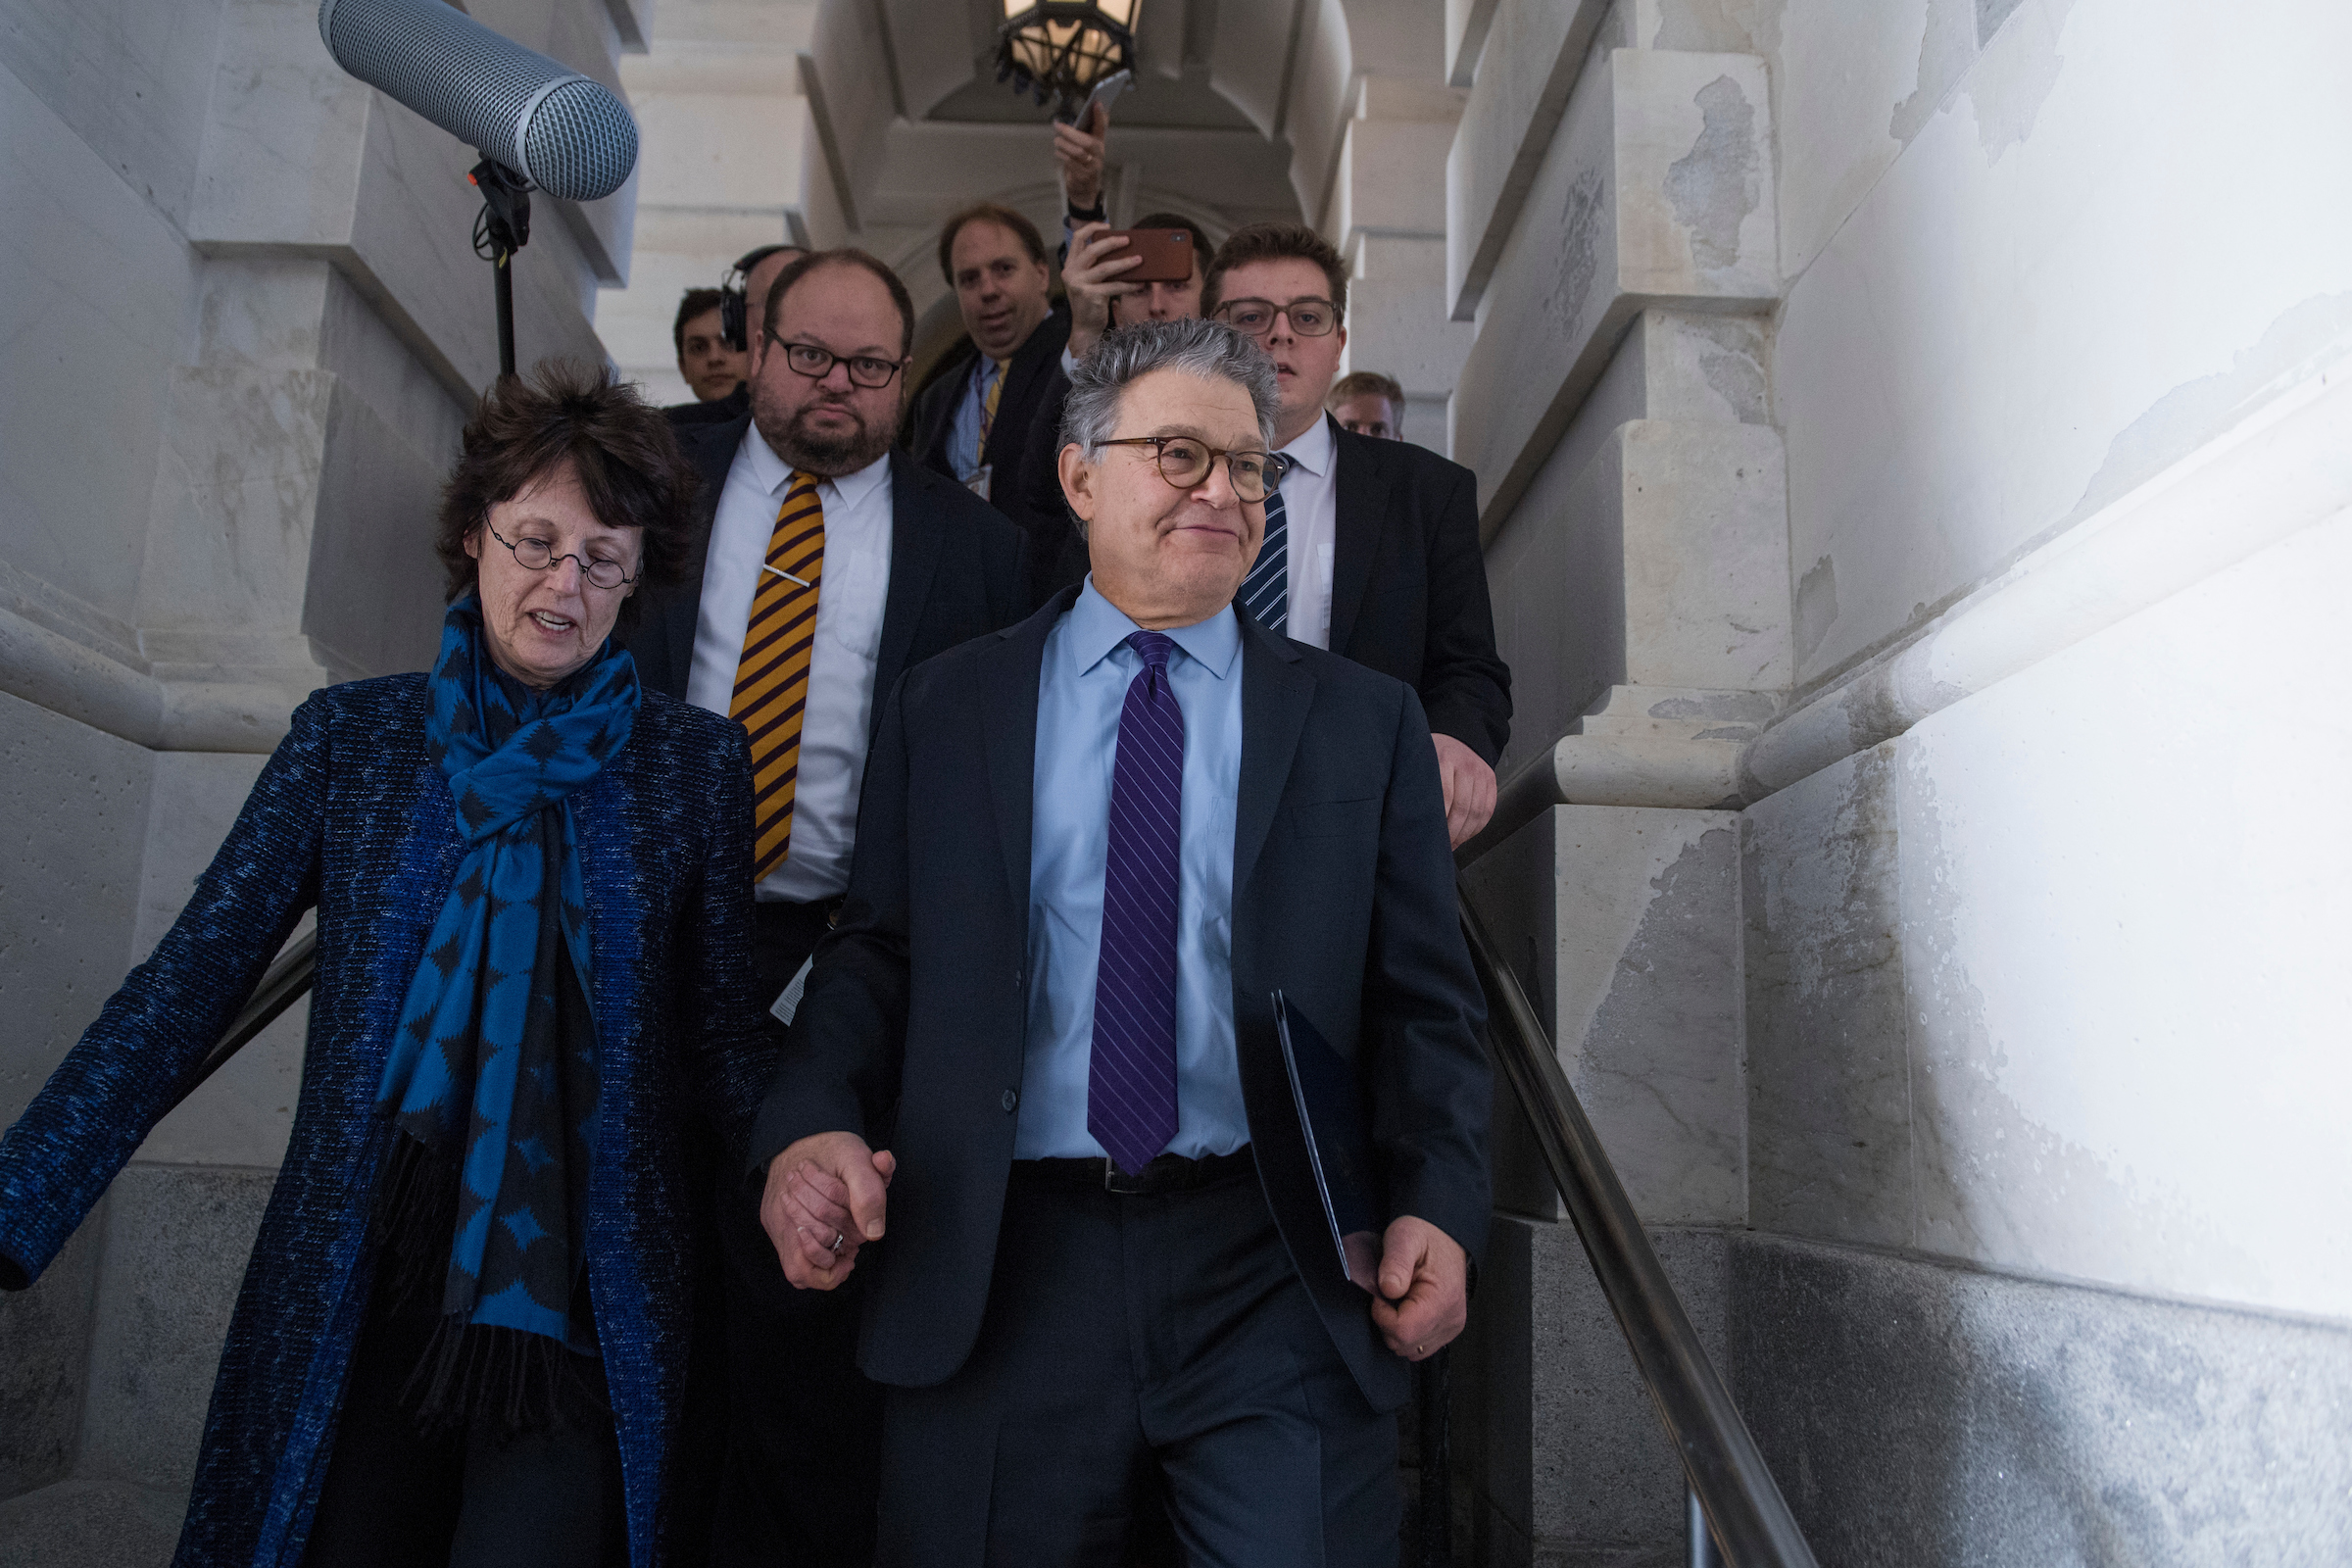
<point x="734" y="310"/>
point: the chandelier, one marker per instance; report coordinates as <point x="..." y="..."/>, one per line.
<point x="1063" y="47"/>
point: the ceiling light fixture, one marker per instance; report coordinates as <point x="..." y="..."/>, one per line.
<point x="1061" y="48"/>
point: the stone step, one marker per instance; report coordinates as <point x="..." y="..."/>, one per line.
<point x="80" y="1523"/>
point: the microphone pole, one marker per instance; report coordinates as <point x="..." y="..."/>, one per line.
<point x="503" y="228"/>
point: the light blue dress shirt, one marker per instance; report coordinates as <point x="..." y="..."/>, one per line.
<point x="964" y="431"/>
<point x="1088" y="668"/>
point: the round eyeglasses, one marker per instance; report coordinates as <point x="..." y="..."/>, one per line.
<point x="1185" y="464"/>
<point x="1256" y="318"/>
<point x="537" y="555"/>
<point x="807" y="358"/>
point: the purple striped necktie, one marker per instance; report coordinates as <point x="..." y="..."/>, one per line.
<point x="1131" y="1085"/>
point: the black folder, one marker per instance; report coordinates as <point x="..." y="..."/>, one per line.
<point x="1331" y="1114"/>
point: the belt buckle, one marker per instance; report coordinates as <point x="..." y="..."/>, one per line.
<point x="1119" y="1183"/>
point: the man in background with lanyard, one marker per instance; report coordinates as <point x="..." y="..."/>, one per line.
<point x="971" y="423"/>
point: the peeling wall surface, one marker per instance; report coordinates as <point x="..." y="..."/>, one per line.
<point x="2115" y="232"/>
<point x="2040" y="1040"/>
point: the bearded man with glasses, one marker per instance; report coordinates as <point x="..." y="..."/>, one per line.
<point x="1039" y="1051"/>
<point x="826" y="565"/>
<point x="1372" y="551"/>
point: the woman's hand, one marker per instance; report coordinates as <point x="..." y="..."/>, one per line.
<point x="826" y="1196"/>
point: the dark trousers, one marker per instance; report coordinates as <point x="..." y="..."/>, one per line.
<point x="1134" y="1349"/>
<point x="804" y="1425"/>
<point x="396" y="1499"/>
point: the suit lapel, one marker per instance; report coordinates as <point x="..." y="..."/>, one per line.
<point x="1008" y="685"/>
<point x="1275" y="697"/>
<point x="915" y="543"/>
<point x="1360" y="507"/>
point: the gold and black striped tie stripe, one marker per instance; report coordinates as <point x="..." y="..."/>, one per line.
<point x="771" y="679"/>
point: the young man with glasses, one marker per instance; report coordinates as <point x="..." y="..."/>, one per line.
<point x="829" y="564"/>
<point x="1372" y="550"/>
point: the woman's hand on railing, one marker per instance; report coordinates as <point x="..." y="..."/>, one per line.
<point x="1424" y="1288"/>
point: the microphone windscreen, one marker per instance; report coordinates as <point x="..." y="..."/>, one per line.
<point x="562" y="131"/>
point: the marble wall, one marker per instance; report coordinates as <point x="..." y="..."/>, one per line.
<point x="1916" y="1415"/>
<point x="2048" y="984"/>
<point x="1622" y="923"/>
<point x="2048" y="318"/>
<point x="1982" y="586"/>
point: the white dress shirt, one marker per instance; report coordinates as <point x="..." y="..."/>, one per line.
<point x="852" y="589"/>
<point x="1311" y="505"/>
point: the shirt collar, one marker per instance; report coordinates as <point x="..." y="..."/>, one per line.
<point x="1099" y="626"/>
<point x="1313" y="449"/>
<point x="773" y="474"/>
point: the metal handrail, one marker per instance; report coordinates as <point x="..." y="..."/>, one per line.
<point x="1729" y="1481"/>
<point x="281" y="988"/>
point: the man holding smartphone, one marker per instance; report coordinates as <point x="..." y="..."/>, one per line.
<point x="1099" y="263"/>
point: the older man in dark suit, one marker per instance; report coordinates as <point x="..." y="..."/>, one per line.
<point x="828" y="564"/>
<point x="1093" y="847"/>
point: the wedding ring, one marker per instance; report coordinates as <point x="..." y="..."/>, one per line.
<point x="837" y="1240"/>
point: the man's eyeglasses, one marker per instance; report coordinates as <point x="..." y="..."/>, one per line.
<point x="537" y="555"/>
<point x="807" y="358"/>
<point x="1185" y="464"/>
<point x="1308" y="318"/>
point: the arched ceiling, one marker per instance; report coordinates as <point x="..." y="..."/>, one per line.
<point x="867" y="122"/>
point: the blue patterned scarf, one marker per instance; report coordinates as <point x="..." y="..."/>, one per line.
<point x="492" y="1069"/>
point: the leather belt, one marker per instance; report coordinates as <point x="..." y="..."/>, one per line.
<point x="1169" y="1173"/>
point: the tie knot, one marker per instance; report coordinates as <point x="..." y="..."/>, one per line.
<point x="1152" y="648"/>
<point x="803" y="484"/>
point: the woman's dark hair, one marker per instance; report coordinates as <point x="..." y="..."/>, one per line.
<point x="619" y="446"/>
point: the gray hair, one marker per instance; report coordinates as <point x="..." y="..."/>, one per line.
<point x="1208" y="350"/>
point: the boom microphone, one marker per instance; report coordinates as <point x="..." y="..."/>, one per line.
<point x="558" y="129"/>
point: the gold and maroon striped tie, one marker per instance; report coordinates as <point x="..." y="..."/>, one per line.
<point x="771" y="680"/>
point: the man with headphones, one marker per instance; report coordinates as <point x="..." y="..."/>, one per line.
<point x="754" y="273"/>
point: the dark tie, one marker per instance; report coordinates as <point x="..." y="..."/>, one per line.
<point x="1131" y="1086"/>
<point x="1266" y="591"/>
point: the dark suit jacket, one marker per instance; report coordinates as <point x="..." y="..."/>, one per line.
<point x="734" y="406"/>
<point x="932" y="418"/>
<point x="1409" y="580"/>
<point x="956" y="571"/>
<point x="1057" y="557"/>
<point x="1342" y="898"/>
<point x="1408" y="585"/>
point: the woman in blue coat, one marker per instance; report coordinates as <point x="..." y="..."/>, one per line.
<point x="463" y="1336"/>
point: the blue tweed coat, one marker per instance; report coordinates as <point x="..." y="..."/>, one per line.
<point x="349" y="815"/>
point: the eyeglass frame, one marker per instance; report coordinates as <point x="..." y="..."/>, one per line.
<point x="897" y="367"/>
<point x="1280" y="465"/>
<point x="1338" y="315"/>
<point x="586" y="567"/>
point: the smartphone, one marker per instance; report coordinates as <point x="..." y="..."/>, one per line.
<point x="1167" y="254"/>
<point x="1107" y="92"/>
